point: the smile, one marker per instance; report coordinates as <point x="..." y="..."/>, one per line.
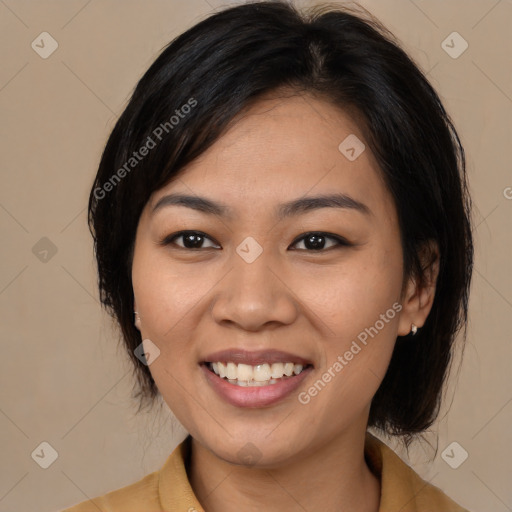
<point x="259" y="375"/>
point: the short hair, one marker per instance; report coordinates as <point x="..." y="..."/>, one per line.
<point x="226" y="63"/>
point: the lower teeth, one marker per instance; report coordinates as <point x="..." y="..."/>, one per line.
<point x="252" y="383"/>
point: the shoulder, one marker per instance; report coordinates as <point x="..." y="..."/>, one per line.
<point x="163" y="490"/>
<point x="401" y="487"/>
<point x="141" y="495"/>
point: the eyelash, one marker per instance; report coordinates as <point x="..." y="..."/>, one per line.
<point x="341" y="242"/>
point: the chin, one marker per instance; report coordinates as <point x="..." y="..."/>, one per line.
<point x="254" y="447"/>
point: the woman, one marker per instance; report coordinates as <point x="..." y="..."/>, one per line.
<point x="270" y="224"/>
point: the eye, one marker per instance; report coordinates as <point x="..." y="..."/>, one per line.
<point x="312" y="242"/>
<point x="316" y="241"/>
<point x="191" y="240"/>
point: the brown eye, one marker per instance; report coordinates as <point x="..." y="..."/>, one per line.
<point x="190" y="240"/>
<point x="317" y="241"/>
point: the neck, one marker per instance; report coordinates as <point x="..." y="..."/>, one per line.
<point x="335" y="478"/>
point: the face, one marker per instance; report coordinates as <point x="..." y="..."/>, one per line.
<point x="267" y="275"/>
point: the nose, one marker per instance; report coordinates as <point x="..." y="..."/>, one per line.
<point x="254" y="296"/>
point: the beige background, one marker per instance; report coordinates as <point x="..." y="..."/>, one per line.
<point x="65" y="379"/>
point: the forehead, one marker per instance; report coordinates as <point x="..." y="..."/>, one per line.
<point x="283" y="148"/>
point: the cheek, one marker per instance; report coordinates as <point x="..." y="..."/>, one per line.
<point x="172" y="300"/>
<point x="165" y="293"/>
<point x="166" y="299"/>
<point x="359" y="303"/>
<point x="352" y="295"/>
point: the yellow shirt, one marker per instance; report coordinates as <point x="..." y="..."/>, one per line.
<point x="168" y="490"/>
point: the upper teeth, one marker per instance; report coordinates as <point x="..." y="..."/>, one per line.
<point x="259" y="373"/>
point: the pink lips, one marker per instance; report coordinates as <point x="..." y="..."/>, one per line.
<point x="258" y="396"/>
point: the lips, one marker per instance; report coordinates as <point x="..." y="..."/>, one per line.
<point x="265" y="393"/>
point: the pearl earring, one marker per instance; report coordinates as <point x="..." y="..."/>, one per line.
<point x="414" y="329"/>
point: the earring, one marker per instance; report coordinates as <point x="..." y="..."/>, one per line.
<point x="414" y="329"/>
<point x="137" y="318"/>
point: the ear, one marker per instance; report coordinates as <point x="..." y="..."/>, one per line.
<point x="418" y="295"/>
<point x="136" y="315"/>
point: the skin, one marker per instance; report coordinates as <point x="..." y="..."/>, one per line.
<point x="193" y="302"/>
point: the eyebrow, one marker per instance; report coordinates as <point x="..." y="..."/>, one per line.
<point x="285" y="210"/>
